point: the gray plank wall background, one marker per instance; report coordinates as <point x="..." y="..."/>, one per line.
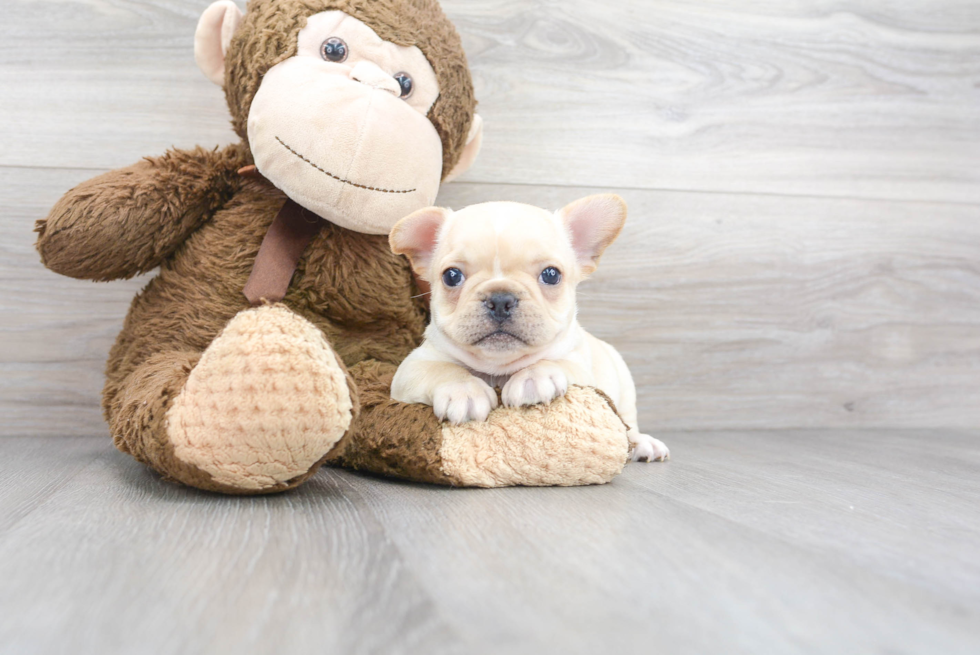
<point x="803" y="248"/>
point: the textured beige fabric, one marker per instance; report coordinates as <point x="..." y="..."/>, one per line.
<point x="574" y="440"/>
<point x="267" y="401"/>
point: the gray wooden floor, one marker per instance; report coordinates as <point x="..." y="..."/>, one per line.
<point x="797" y="292"/>
<point x="832" y="541"/>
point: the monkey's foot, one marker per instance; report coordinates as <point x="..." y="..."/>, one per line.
<point x="576" y="439"/>
<point x="266" y="402"/>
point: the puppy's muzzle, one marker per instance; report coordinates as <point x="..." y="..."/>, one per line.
<point x="499" y="305"/>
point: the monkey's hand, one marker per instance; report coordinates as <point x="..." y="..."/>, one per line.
<point x="126" y="221"/>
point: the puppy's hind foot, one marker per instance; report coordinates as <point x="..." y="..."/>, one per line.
<point x="648" y="449"/>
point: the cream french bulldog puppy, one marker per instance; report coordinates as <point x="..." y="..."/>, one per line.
<point x="503" y="279"/>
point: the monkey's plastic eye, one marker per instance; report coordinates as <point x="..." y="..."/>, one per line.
<point x="550" y="275"/>
<point x="405" y="82"/>
<point x="334" y="49"/>
<point x="452" y="277"/>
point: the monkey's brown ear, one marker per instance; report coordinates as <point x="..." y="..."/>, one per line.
<point x="213" y="36"/>
<point x="474" y="139"/>
<point x="417" y="235"/>
<point x="593" y="223"/>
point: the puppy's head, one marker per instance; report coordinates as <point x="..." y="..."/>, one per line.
<point x="503" y="274"/>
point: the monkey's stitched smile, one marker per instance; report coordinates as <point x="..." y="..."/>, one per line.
<point x="340" y="179"/>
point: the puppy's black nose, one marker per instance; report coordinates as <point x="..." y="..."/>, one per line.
<point x="500" y="304"/>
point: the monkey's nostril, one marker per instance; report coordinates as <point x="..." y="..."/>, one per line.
<point x="371" y="75"/>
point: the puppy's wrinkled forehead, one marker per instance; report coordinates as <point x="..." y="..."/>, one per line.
<point x="503" y="234"/>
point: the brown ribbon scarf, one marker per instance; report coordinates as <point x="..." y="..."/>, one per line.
<point x="288" y="237"/>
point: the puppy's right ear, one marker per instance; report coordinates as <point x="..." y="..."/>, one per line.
<point x="593" y="223"/>
<point x="213" y="36"/>
<point x="417" y="235"/>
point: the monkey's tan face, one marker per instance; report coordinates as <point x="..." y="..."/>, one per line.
<point x="341" y="127"/>
<point x="503" y="279"/>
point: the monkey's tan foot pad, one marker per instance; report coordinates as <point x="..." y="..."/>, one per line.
<point x="576" y="439"/>
<point x="266" y="402"/>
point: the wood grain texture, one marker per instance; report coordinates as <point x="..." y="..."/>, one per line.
<point x="55" y="332"/>
<point x="803" y="251"/>
<point x="733" y="311"/>
<point x="858" y="99"/>
<point x="772" y="312"/>
<point x="830" y="98"/>
<point x="806" y="542"/>
<point x="119" y="561"/>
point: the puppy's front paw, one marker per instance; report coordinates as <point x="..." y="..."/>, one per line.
<point x="459" y="402"/>
<point x="648" y="449"/>
<point x="538" y="383"/>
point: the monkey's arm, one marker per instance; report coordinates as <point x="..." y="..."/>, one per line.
<point x="127" y="221"/>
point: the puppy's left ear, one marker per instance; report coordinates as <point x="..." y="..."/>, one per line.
<point x="593" y="223"/>
<point x="417" y="235"/>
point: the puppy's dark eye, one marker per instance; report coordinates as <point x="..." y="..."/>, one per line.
<point x="334" y="49"/>
<point x="405" y="82"/>
<point x="550" y="275"/>
<point x="452" y="277"/>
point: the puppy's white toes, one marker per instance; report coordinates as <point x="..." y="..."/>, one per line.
<point x="459" y="402"/>
<point x="478" y="408"/>
<point x="440" y="403"/>
<point x="458" y="410"/>
<point x="527" y="391"/>
<point x="648" y="449"/>
<point x="540" y="383"/>
<point x="513" y="394"/>
<point x="538" y="390"/>
<point x="491" y="395"/>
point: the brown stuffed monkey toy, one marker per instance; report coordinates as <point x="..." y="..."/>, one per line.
<point x="266" y="344"/>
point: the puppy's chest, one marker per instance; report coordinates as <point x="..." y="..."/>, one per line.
<point x="495" y="381"/>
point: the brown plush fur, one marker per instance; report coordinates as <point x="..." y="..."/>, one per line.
<point x="127" y="221"/>
<point x="191" y="214"/>
<point x="389" y="437"/>
<point x="347" y="284"/>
